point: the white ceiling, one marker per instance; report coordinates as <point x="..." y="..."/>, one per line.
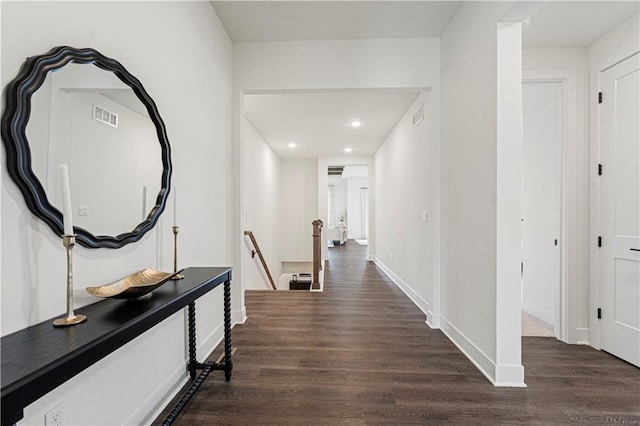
<point x="247" y="21"/>
<point x="319" y="123"/>
<point x="575" y="24"/>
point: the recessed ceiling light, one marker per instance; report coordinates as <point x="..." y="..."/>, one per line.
<point x="292" y="145"/>
<point x="356" y="123"/>
<point x="348" y="150"/>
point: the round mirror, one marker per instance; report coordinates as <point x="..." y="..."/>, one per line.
<point x="78" y="107"/>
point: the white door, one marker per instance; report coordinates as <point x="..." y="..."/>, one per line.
<point x="620" y="211"/>
<point x="541" y="188"/>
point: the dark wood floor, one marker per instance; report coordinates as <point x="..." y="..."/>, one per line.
<point x="360" y="353"/>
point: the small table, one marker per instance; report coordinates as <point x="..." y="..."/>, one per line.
<point x="40" y="358"/>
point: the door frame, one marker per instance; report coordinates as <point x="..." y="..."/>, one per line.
<point x="569" y="108"/>
<point x="595" y="157"/>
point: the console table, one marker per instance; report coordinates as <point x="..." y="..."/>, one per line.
<point x="40" y="358"/>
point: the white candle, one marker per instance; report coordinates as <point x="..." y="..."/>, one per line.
<point x="175" y="206"/>
<point x="67" y="214"/>
<point x="144" y="202"/>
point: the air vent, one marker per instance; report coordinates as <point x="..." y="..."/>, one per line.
<point x="418" y="116"/>
<point x="104" y="116"/>
<point x="335" y="170"/>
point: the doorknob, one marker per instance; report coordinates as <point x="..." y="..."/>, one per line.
<point x="633" y="249"/>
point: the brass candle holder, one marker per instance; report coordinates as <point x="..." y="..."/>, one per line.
<point x="177" y="276"/>
<point x="71" y="318"/>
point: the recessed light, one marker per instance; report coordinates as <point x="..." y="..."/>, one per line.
<point x="348" y="150"/>
<point x="356" y="123"/>
<point x="292" y="145"/>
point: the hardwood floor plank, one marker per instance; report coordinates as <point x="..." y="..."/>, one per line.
<point x="360" y="353"/>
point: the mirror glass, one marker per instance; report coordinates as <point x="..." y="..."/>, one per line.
<point x="87" y="118"/>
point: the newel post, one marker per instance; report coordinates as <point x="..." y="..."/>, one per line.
<point x="317" y="253"/>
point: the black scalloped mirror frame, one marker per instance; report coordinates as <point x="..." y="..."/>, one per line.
<point x="14" y="123"/>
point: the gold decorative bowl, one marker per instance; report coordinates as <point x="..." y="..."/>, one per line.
<point x="135" y="286"/>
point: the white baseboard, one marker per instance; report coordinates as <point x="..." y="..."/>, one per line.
<point x="433" y="320"/>
<point x="239" y="316"/>
<point x="159" y="398"/>
<point x="422" y="304"/>
<point x="511" y="376"/>
<point x="582" y="336"/>
<point x="498" y="375"/>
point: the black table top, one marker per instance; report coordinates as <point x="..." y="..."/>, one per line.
<point x="39" y="358"/>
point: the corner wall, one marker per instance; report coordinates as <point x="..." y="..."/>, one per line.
<point x="469" y="183"/>
<point x="262" y="210"/>
<point x="298" y="208"/>
<point x="403" y="177"/>
<point x="192" y="89"/>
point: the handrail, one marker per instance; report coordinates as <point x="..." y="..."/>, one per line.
<point x="253" y="254"/>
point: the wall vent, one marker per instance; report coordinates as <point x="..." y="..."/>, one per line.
<point x="104" y="116"/>
<point x="335" y="170"/>
<point x="418" y="116"/>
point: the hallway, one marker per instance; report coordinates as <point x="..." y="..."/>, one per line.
<point x="361" y="353"/>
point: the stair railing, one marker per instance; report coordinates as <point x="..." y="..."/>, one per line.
<point x="256" y="250"/>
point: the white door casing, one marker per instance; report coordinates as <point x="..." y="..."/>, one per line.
<point x="541" y="206"/>
<point x="619" y="211"/>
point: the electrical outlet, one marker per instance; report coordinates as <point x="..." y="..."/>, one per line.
<point x="55" y="416"/>
<point x="83" y="211"/>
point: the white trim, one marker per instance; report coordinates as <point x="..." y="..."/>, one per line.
<point x="433" y="320"/>
<point x="593" y="332"/>
<point x="509" y="376"/>
<point x="158" y="400"/>
<point x="240" y="316"/>
<point x="582" y="336"/>
<point x="422" y="304"/>
<point x="498" y="375"/>
<point x="569" y="80"/>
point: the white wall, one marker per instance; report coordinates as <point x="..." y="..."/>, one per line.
<point x="197" y="115"/>
<point x="340" y="199"/>
<point x="262" y="210"/>
<point x="402" y="175"/>
<point x="469" y="177"/>
<point x="620" y="40"/>
<point x="141" y="167"/>
<point x="354" y="206"/>
<point x="298" y="208"/>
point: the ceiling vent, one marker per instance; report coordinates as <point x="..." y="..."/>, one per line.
<point x="104" y="116"/>
<point x="335" y="170"/>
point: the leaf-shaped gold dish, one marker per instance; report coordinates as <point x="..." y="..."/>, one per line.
<point x="135" y="286"/>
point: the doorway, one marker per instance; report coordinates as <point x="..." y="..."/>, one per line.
<point x="347" y="205"/>
<point x="541" y="207"/>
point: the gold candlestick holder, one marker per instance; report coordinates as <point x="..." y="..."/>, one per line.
<point x="177" y="276"/>
<point x="71" y="319"/>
